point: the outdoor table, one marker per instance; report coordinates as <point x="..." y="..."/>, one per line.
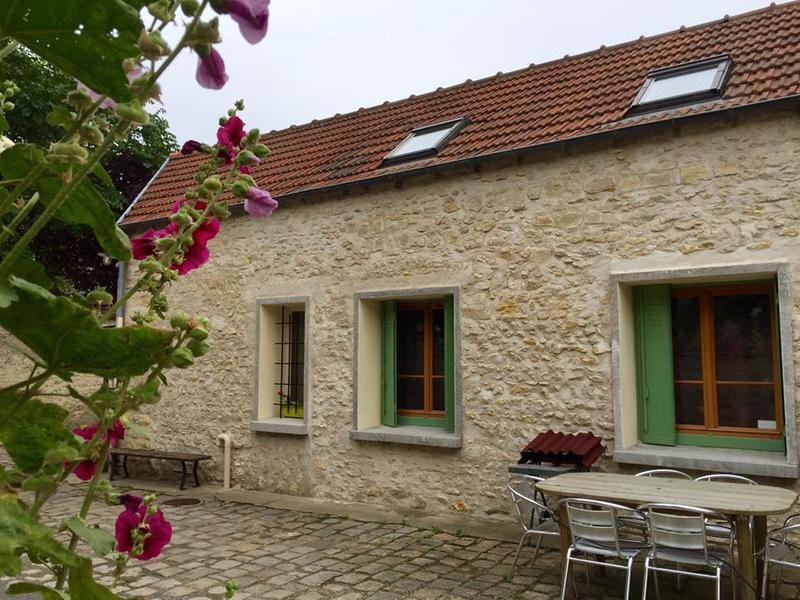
<point x="736" y="500"/>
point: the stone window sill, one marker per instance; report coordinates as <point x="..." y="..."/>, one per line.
<point x="695" y="458"/>
<point x="285" y="426"/>
<point x="409" y="435"/>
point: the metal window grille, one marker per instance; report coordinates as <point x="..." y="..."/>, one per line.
<point x="291" y="368"/>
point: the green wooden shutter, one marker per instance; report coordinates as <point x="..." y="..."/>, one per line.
<point x="449" y="366"/>
<point x="654" y="379"/>
<point x="389" y="368"/>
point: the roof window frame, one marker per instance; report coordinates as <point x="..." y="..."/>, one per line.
<point x="455" y="126"/>
<point x="724" y="65"/>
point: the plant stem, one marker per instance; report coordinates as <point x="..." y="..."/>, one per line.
<point x="9" y="230"/>
<point x="88" y="498"/>
<point x="10" y="47"/>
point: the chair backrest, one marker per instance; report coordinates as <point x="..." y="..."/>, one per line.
<point x="594" y="521"/>
<point x="665" y="473"/>
<point x="529" y="503"/>
<point x="726" y="478"/>
<point x="678" y="527"/>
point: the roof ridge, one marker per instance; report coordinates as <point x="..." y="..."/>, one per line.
<point x="386" y="104"/>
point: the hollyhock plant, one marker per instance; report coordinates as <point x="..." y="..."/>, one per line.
<point x="86" y="468"/>
<point x="210" y="69"/>
<point x="259" y="203"/>
<point x="252" y="16"/>
<point x="229" y="138"/>
<point x="141" y="531"/>
<point x="190" y="147"/>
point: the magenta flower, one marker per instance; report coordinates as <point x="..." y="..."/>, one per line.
<point x="130" y="502"/>
<point x="259" y="203"/>
<point x="210" y="69"/>
<point x="191" y="147"/>
<point x="195" y="256"/>
<point x="134" y="522"/>
<point x="86" y="468"/>
<point x="251" y="15"/>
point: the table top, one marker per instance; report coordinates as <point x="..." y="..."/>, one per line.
<point x="725" y="498"/>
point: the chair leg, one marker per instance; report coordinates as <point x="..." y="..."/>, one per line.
<point x="510" y="575"/>
<point x="765" y="577"/>
<point x="655" y="583"/>
<point x="678" y="576"/>
<point x="719" y="584"/>
<point x="566" y="574"/>
<point x="628" y="574"/>
<point x="778" y="581"/>
<point x="644" y="577"/>
<point x="536" y="552"/>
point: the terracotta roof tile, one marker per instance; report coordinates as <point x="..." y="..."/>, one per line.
<point x="556" y="101"/>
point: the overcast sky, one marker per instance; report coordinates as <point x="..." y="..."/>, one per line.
<point x="321" y="57"/>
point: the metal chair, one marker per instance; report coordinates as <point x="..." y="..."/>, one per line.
<point x="595" y="533"/>
<point x="783" y="550"/>
<point x="665" y="473"/>
<point x="678" y="535"/>
<point x="536" y="518"/>
<point x="726" y="478"/>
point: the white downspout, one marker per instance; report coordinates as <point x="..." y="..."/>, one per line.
<point x="224" y="440"/>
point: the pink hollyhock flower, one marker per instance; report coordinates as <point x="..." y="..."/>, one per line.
<point x="86" y="468"/>
<point x="130" y="502"/>
<point x="134" y="522"/>
<point x="259" y="203"/>
<point x="145" y="245"/>
<point x="229" y="138"/>
<point x="210" y="69"/>
<point x="191" y="147"/>
<point x="251" y="15"/>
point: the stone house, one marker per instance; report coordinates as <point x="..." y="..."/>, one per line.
<point x="605" y="242"/>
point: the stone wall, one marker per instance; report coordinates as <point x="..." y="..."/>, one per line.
<point x="530" y="244"/>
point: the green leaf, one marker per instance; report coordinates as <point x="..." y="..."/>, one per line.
<point x="88" y="40"/>
<point x="59" y="117"/>
<point x="68" y="338"/>
<point x="33" y="429"/>
<point x="24" y="268"/>
<point x="82" y="585"/>
<point x="100" y="172"/>
<point x="3" y="124"/>
<point x="85" y="205"/>
<point x="99" y="539"/>
<point x="20" y="533"/>
<point x="136" y="430"/>
<point x="23" y="587"/>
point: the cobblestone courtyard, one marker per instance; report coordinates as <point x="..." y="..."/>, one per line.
<point x="276" y="554"/>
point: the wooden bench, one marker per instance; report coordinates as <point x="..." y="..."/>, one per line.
<point x="181" y="457"/>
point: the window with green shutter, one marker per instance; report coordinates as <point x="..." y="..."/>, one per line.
<point x="418" y="365"/>
<point x="707" y="366"/>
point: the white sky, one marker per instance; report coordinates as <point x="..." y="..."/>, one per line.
<point x="321" y="57"/>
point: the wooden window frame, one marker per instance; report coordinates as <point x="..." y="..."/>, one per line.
<point x="705" y="295"/>
<point x="427" y="411"/>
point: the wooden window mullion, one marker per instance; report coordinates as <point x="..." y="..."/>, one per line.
<point x="428" y="360"/>
<point x="709" y="368"/>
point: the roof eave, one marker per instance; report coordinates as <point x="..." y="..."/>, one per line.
<point x="524" y="151"/>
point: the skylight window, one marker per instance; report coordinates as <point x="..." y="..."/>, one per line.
<point x="683" y="84"/>
<point x="425" y="141"/>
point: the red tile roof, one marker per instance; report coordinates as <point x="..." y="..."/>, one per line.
<point x="557" y="101"/>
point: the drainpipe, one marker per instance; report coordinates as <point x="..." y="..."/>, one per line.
<point x="122" y="270"/>
<point x="224" y="440"/>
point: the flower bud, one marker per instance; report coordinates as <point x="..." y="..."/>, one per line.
<point x="179" y="320"/>
<point x="92" y="134"/>
<point x="261" y="150"/>
<point x="212" y="184"/>
<point x="199" y="334"/>
<point x="182" y="358"/>
<point x="68" y="152"/>
<point x="161" y="10"/>
<point x="133" y="111"/>
<point x="190" y="194"/>
<point x="79" y="99"/>
<point x="165" y="243"/>
<point x="143" y="88"/>
<point x="181" y="218"/>
<point x="190" y="7"/>
<point x="253" y="135"/>
<point x="152" y="45"/>
<point x="151" y="265"/>
<point x="60" y="455"/>
<point x="204" y="323"/>
<point x="99" y="296"/>
<point x="149" y="499"/>
<point x="246" y="158"/>
<point x="205" y="33"/>
<point x="240" y="188"/>
<point x="197" y="347"/>
<point x="7" y="106"/>
<point x="220" y="210"/>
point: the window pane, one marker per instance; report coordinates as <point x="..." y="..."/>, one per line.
<point x="743" y="338"/>
<point x="689" y="404"/>
<point x="438" y="341"/>
<point x="746" y="406"/>
<point x="410" y="393"/>
<point x="681" y="84"/>
<point x="410" y="342"/>
<point x="422" y="141"/>
<point x="686" y="348"/>
<point x="438" y="394"/>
